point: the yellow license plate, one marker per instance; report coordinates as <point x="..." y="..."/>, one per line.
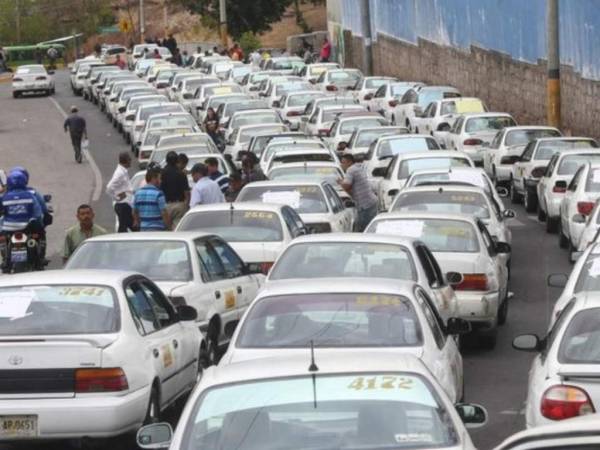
<point x="229" y="300"/>
<point x="18" y="426"/>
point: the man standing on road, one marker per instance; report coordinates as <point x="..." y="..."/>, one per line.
<point x="174" y="184"/>
<point x="119" y="188"/>
<point x="358" y="186"/>
<point x="205" y="191"/>
<point x="235" y="186"/>
<point x="121" y="64"/>
<point x="325" y="51"/>
<point x="149" y="205"/>
<point x="76" y="126"/>
<point x="217" y="176"/>
<point x="85" y="229"/>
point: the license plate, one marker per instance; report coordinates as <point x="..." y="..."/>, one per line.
<point x="18" y="256"/>
<point x="29" y="86"/>
<point x="18" y="426"/>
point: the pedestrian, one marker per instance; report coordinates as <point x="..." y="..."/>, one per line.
<point x="235" y="186"/>
<point x="205" y="190"/>
<point x="52" y="54"/>
<point x="357" y="184"/>
<point x="177" y="59"/>
<point x="76" y="126"/>
<point x="119" y="188"/>
<point x="215" y="50"/>
<point x="212" y="164"/>
<point x="149" y="205"/>
<point x="39" y="57"/>
<point x="121" y="64"/>
<point x="175" y="186"/>
<point x="182" y="162"/>
<point x="250" y="171"/>
<point x="255" y="58"/>
<point x="185" y="59"/>
<point x="156" y="54"/>
<point x="325" y="50"/>
<point x="211" y="120"/>
<point x="85" y="229"/>
<point x="171" y="43"/>
<point x="236" y="53"/>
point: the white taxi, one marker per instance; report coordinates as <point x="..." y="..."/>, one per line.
<point x="461" y="244"/>
<point x="404" y="164"/>
<point x="360" y="141"/>
<point x="590" y="229"/>
<point x="351" y="255"/>
<point x="317" y="202"/>
<point x="32" y="78"/>
<point x="338" y="316"/>
<point x="297" y="400"/>
<point x="90" y="354"/>
<point x="441" y="114"/>
<point x="191" y="268"/>
<point x="553" y="184"/>
<point x="258" y="232"/>
<point x="563" y="379"/>
<point x="150" y="137"/>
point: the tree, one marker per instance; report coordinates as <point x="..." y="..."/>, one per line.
<point x="253" y="16"/>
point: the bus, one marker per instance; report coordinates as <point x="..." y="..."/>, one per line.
<point x="19" y="55"/>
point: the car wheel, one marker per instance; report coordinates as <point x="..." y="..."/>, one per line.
<point x="563" y="242"/>
<point x="503" y="311"/>
<point x="515" y="197"/>
<point x="153" y="411"/>
<point x="417" y="130"/>
<point x="541" y="215"/>
<point x="53" y="91"/>
<point x="530" y="201"/>
<point x="214" y="355"/>
<point x="551" y="225"/>
<point x="16" y="95"/>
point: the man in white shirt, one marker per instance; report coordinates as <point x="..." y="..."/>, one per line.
<point x="119" y="188"/>
<point x="205" y="190"/>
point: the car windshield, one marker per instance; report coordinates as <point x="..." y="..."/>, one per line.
<point x="366" y="137"/>
<point x="220" y="90"/>
<point x="158" y="109"/>
<point x="180" y="120"/>
<point x="459" y="176"/>
<point x="581" y="340"/>
<point x="330" y="174"/>
<point x="593" y="180"/>
<point x="398" y="90"/>
<point x="302" y="99"/>
<point x="31" y="70"/>
<point x="126" y="95"/>
<point x="165" y="75"/>
<point x="246" y="135"/>
<point x="452" y="202"/>
<point x="524" y="137"/>
<point x="291" y="87"/>
<point x="232" y="107"/>
<point x="331" y="320"/>
<point x="236" y="226"/>
<point x="240" y="71"/>
<point x="461" y="106"/>
<point x="134" y="104"/>
<point x="193" y="83"/>
<point x="58" y="309"/>
<point x="409" y="166"/>
<point x="284" y="146"/>
<point x="440" y="235"/>
<point x="349" y="77"/>
<point x="287" y="64"/>
<point x="153" y="136"/>
<point x="345" y="260"/>
<point x="159" y="260"/>
<point x="547" y="149"/>
<point x="389" y="148"/>
<point x="321" y="412"/>
<point x="374" y="83"/>
<point x="497" y="123"/>
<point x="348" y="126"/>
<point x="304" y="199"/>
<point x="570" y="163"/>
<point x="254" y="118"/>
<point x="330" y="115"/>
<point x="428" y="96"/>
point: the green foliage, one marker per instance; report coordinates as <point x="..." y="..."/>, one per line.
<point x="249" y="42"/>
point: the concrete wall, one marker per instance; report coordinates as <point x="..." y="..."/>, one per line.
<point x="502" y="82"/>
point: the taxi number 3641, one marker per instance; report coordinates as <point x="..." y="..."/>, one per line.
<point x="382" y="382"/>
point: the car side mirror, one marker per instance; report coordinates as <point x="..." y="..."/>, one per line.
<point x="249" y="270"/>
<point x="502" y="191"/>
<point x="454" y="278"/>
<point x="527" y="343"/>
<point x="51" y="72"/>
<point x="560" y="184"/>
<point x="379" y="172"/>
<point x="457" y="326"/>
<point x="444" y="126"/>
<point x="575" y="256"/>
<point x="393" y="192"/>
<point x="187" y="313"/>
<point x="155" y="436"/>
<point x="130" y="117"/>
<point x="253" y="88"/>
<point x="47" y="198"/>
<point x="304" y="119"/>
<point x="502" y="247"/>
<point x="262" y="94"/>
<point x="276" y="104"/>
<point x="369" y="97"/>
<point x="188" y="96"/>
<point x="122" y="109"/>
<point x="509" y="214"/>
<point x="342" y="145"/>
<point x="349" y="203"/>
<point x="558" y="280"/>
<point x="579" y="218"/>
<point x="472" y="415"/>
<point x="510" y="159"/>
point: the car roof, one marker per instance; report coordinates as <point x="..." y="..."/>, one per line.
<point x="241" y="206"/>
<point x="440" y="188"/>
<point x="529" y="127"/>
<point x="577" y="151"/>
<point x="358" y="285"/>
<point x="261" y="125"/>
<point x="564" y="138"/>
<point x="359" y="115"/>
<point x="424" y="215"/>
<point x="485" y="114"/>
<point x="390" y="137"/>
<point x="170" y="114"/>
<point x="151" y="236"/>
<point x="354" y="237"/>
<point x="438" y="88"/>
<point x="271" y="183"/>
<point x="287" y="365"/>
<point x="307" y="164"/>
<point x="79" y="276"/>
<point x="290" y="140"/>
<point x="432" y="154"/>
<point x="342" y="108"/>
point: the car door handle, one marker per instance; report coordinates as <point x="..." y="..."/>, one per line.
<point x="155" y="353"/>
<point x="175" y="343"/>
<point x="217" y="294"/>
<point x="239" y="289"/>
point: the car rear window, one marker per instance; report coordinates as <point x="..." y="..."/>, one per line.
<point x="389" y="148"/>
<point x="409" y="166"/>
<point x="304" y="199"/>
<point x="450" y="202"/>
<point x="581" y="340"/>
<point x="498" y="123"/>
<point x="523" y="137"/>
<point x="570" y="163"/>
<point x="546" y="150"/>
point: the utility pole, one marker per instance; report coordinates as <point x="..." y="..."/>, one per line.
<point x="553" y="83"/>
<point x="223" y="22"/>
<point x="166" y="18"/>
<point x="18" y="20"/>
<point x="368" y="44"/>
<point x="142" y="22"/>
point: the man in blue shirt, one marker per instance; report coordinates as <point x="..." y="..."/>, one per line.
<point x="149" y="205"/>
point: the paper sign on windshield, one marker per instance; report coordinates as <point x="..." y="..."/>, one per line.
<point x="15" y="304"/>
<point x="469" y="106"/>
<point x="290" y="198"/>
<point x="596" y="176"/>
<point x="408" y="228"/>
<point x="467" y="176"/>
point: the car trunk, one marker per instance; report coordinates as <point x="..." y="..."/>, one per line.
<point x="257" y="252"/>
<point x="584" y="376"/>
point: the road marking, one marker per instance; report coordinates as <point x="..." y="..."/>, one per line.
<point x="514" y="223"/>
<point x="97" y="174"/>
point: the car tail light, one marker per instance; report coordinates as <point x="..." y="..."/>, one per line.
<point x="473" y="282"/>
<point x="393" y="103"/>
<point x="17" y="79"/>
<point x="563" y="402"/>
<point x="18" y="235"/>
<point x="473" y="142"/>
<point x="294" y="113"/>
<point x="100" y="380"/>
<point x="331" y="87"/>
<point x="585" y="208"/>
<point x="264" y="267"/>
<point x="40" y="78"/>
<point x="559" y="189"/>
<point x="538" y="172"/>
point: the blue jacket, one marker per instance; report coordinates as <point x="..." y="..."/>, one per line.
<point x="20" y="205"/>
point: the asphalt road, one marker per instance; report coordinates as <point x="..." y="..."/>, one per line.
<point x="495" y="379"/>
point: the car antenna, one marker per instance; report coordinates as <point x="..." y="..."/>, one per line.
<point x="231" y="210"/>
<point x="313" y="369"/>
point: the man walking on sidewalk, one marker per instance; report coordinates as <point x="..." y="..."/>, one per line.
<point x="75" y="125"/>
<point x="119" y="188"/>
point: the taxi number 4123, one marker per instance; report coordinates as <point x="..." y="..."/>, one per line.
<point x="382" y="382"/>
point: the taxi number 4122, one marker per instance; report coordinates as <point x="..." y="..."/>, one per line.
<point x="382" y="382"/>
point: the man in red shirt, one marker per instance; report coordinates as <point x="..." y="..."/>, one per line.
<point x="325" y="50"/>
<point x="120" y="63"/>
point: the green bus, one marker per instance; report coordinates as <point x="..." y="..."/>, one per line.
<point x="19" y="55"/>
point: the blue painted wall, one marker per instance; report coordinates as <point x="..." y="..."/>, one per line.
<point x="516" y="27"/>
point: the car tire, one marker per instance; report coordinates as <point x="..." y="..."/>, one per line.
<point x="153" y="411"/>
<point x="563" y="242"/>
<point x="16" y="95"/>
<point x="214" y="353"/>
<point x="515" y="197"/>
<point x="503" y="311"/>
<point x="551" y="224"/>
<point x="530" y="201"/>
<point x="417" y="130"/>
<point x="53" y="91"/>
